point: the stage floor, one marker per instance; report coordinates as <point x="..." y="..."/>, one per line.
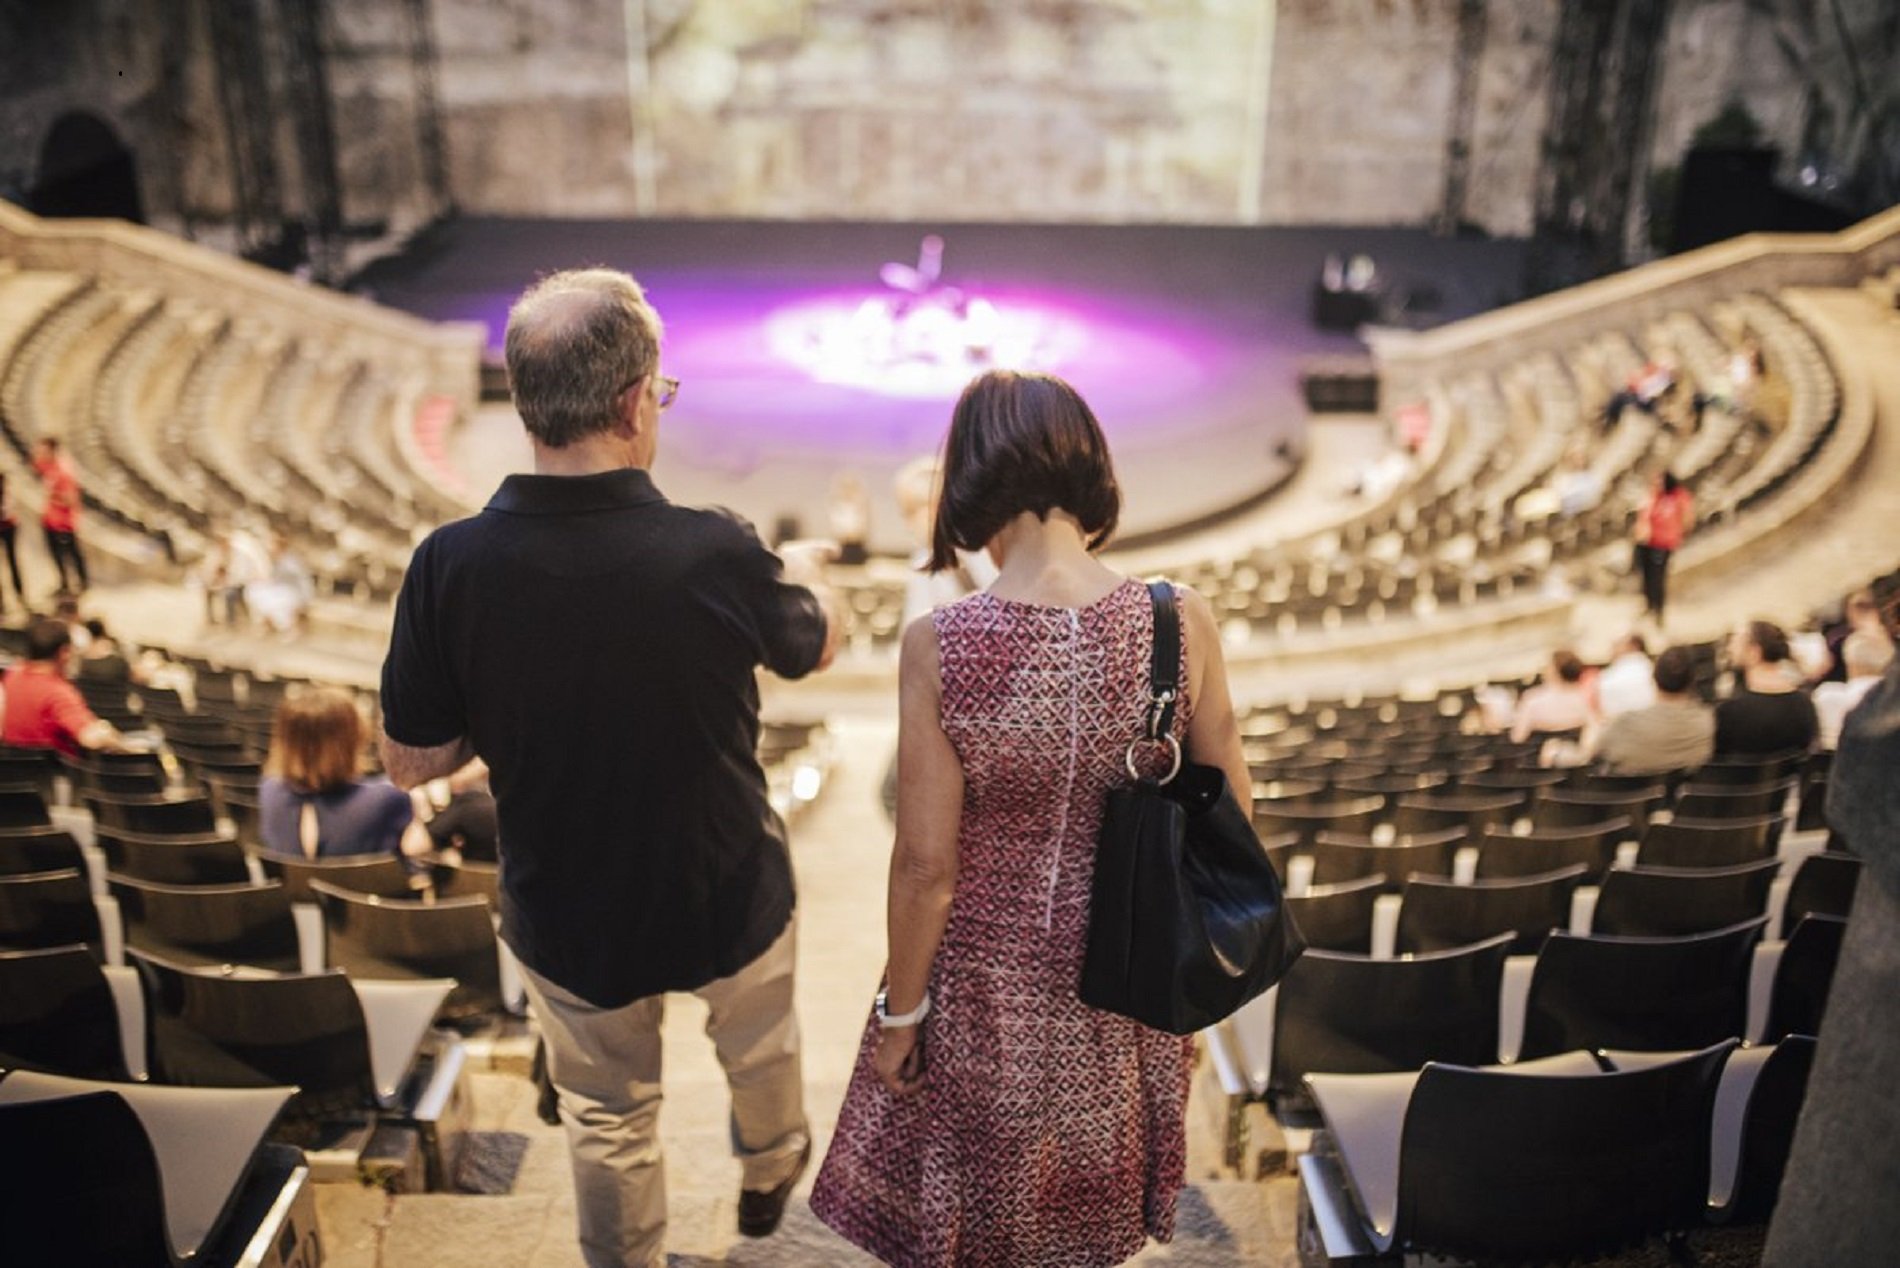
<point x="799" y="363"/>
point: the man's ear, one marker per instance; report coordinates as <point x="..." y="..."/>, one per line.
<point x="627" y="422"/>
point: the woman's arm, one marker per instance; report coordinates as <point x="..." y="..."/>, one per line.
<point x="1213" y="735"/>
<point x="924" y="862"/>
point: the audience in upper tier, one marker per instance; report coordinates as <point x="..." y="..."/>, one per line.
<point x="1769" y="713"/>
<point x="314" y="800"/>
<point x="1561" y="703"/>
<point x="43" y="709"/>
<point x="1676" y="732"/>
<point x="1627" y="683"/>
<point x="1866" y="655"/>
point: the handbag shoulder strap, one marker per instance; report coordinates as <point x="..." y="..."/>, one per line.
<point x="1164" y="670"/>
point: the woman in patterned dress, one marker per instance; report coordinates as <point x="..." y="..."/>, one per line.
<point x="993" y="1120"/>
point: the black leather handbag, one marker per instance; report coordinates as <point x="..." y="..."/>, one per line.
<point x="1187" y="920"/>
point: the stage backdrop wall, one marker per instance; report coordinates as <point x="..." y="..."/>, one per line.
<point x="1123" y="111"/>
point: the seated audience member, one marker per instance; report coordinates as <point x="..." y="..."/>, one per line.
<point x="1769" y="713"/>
<point x="1677" y="732"/>
<point x="464" y="829"/>
<point x="103" y="660"/>
<point x="314" y="801"/>
<point x="1562" y="703"/>
<point x="1628" y="682"/>
<point x="1866" y="655"/>
<point x="1860" y="615"/>
<point x="43" y="709"/>
<point x="281" y="599"/>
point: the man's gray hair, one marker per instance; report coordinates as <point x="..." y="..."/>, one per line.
<point x="1866" y="654"/>
<point x="576" y="341"/>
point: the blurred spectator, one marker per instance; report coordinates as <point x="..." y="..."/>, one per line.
<point x="43" y="709"/>
<point x="314" y="800"/>
<point x="1675" y="732"/>
<point x="850" y="516"/>
<point x="1860" y="613"/>
<point x="1579" y="487"/>
<point x="1866" y="655"/>
<point x="1628" y="682"/>
<point x="462" y="826"/>
<point x="1561" y="703"/>
<point x="1643" y="389"/>
<point x="59" y="516"/>
<point x="1768" y="713"/>
<point x="9" y="530"/>
<point x="280" y="600"/>
<point x="1661" y="527"/>
<point x="103" y="661"/>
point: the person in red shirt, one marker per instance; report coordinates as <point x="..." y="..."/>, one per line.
<point x="1661" y="526"/>
<point x="44" y="709"/>
<point x="60" y="516"/>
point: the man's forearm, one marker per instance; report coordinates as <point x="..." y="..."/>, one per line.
<point x="408" y="766"/>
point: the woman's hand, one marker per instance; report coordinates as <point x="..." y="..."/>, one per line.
<point x="900" y="1059"/>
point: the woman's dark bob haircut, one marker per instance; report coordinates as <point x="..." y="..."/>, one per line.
<point x="1021" y="442"/>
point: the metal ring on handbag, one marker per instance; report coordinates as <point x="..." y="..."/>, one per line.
<point x="1174" y="753"/>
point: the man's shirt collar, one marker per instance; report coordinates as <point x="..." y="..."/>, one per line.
<point x="569" y="495"/>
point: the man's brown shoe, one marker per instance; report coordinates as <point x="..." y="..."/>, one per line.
<point x="760" y="1210"/>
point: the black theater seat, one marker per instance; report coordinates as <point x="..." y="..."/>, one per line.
<point x="1437" y="915"/>
<point x="1668" y="901"/>
<point x="57" y="1013"/>
<point x="1506" y="854"/>
<point x="242" y="924"/>
<point x="1647" y="994"/>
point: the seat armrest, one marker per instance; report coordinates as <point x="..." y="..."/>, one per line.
<point x="1385" y="925"/>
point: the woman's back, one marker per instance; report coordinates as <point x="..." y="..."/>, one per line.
<point x="1046" y="1132"/>
<point x="365" y="816"/>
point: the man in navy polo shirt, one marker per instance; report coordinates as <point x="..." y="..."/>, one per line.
<point x="597" y="645"/>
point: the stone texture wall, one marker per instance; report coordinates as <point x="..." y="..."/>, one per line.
<point x="1202" y="111"/>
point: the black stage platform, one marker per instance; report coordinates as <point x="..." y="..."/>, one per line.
<point x="804" y="356"/>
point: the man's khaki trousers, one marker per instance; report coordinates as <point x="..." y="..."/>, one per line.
<point x="605" y="1066"/>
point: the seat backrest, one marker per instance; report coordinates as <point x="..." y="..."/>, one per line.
<point x="23" y="806"/>
<point x="56" y="1013"/>
<point x="1578" y="807"/>
<point x="1645" y="994"/>
<point x="1339" y="856"/>
<point x="1437" y="914"/>
<point x="1532" y="780"/>
<point x="470" y="880"/>
<point x="206" y="1029"/>
<point x="1823" y="885"/>
<point x="1664" y="902"/>
<point x="1338" y="917"/>
<point x="209" y="924"/>
<point x="1726" y="801"/>
<point x="29" y="768"/>
<point x="153" y="816"/>
<point x="81" y="1185"/>
<point x="1805" y="975"/>
<point x="381" y="874"/>
<point x="1356" y="814"/>
<point x="24" y="850"/>
<point x="1474" y="812"/>
<point x="47" y="909"/>
<point x="198" y="858"/>
<point x="1687" y="842"/>
<point x="376" y="937"/>
<point x="1504" y="1165"/>
<point x="1506" y="854"/>
<point x="1768" y="1124"/>
<point x="1349" y="1014"/>
<point x="1745" y="770"/>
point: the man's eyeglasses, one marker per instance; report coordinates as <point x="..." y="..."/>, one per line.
<point x="669" y="389"/>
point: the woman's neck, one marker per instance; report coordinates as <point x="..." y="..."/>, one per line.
<point x="1047" y="560"/>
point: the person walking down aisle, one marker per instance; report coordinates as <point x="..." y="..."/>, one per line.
<point x="992" y="1118"/>
<point x="9" y="531"/>
<point x="59" y="518"/>
<point x="1661" y="526"/>
<point x="597" y="645"/>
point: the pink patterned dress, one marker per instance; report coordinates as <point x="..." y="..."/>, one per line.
<point x="1047" y="1133"/>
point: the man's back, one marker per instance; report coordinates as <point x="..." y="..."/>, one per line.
<point x="598" y="646"/>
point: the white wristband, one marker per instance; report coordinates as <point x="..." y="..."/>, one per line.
<point x="891" y="1022"/>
